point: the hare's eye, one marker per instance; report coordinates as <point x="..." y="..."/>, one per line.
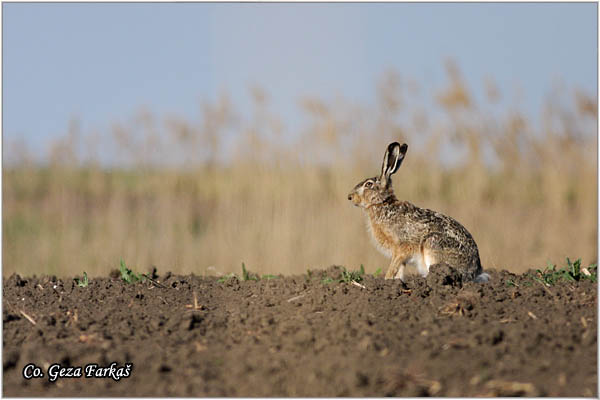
<point x="369" y="184"/>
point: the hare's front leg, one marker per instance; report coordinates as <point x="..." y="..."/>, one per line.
<point x="396" y="269"/>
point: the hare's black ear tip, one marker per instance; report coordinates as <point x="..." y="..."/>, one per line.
<point x="401" y="147"/>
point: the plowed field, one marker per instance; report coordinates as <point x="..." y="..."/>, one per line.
<point x="308" y="335"/>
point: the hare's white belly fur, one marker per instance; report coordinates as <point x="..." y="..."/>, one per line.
<point x="416" y="261"/>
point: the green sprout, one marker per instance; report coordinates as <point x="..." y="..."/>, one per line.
<point x="226" y="278"/>
<point x="128" y="276"/>
<point x="572" y="272"/>
<point x="247" y="276"/>
<point x="82" y="282"/>
<point x="349" y="276"/>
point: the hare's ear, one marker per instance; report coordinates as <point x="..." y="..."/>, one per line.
<point x="392" y="159"/>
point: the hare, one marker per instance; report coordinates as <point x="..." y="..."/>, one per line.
<point x="410" y="235"/>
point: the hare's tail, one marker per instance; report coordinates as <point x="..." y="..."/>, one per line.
<point x="482" y="278"/>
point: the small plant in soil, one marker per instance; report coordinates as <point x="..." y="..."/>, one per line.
<point x="377" y="272"/>
<point x="128" y="276"/>
<point x="248" y="276"/>
<point x="226" y="278"/>
<point x="346" y="276"/>
<point x="349" y="276"/>
<point x="82" y="282"/>
<point x="572" y="272"/>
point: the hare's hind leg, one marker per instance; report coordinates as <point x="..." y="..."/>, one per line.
<point x="439" y="248"/>
<point x="431" y="252"/>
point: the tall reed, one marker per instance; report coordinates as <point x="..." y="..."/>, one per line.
<point x="185" y="196"/>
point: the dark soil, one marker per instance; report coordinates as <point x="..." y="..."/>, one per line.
<point x="299" y="336"/>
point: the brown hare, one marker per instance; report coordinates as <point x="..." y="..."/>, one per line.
<point x="410" y="235"/>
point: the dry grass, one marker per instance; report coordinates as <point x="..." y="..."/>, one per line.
<point x="188" y="196"/>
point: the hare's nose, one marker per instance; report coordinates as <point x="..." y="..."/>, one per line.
<point x="349" y="197"/>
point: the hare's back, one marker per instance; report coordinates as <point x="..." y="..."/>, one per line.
<point x="431" y="221"/>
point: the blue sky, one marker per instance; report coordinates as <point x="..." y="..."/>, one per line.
<point x="101" y="62"/>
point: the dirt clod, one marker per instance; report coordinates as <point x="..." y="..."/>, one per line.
<point x="443" y="275"/>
